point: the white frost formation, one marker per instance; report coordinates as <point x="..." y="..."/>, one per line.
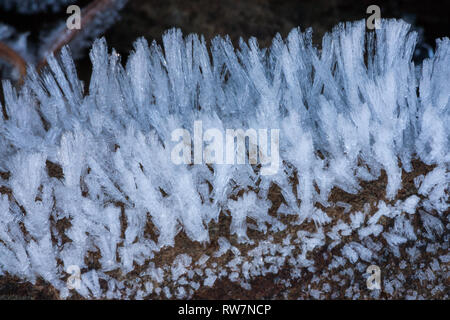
<point x="345" y="112"/>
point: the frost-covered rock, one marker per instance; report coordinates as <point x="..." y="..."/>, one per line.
<point x="345" y="112"/>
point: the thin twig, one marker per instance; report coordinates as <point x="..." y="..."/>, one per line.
<point x="88" y="14"/>
<point x="15" y="59"/>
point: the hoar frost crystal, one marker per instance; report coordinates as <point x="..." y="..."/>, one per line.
<point x="350" y="114"/>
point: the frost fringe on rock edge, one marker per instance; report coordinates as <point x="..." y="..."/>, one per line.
<point x="345" y="112"/>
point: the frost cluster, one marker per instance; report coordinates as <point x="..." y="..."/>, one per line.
<point x="346" y="112"/>
<point x="33" y="6"/>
